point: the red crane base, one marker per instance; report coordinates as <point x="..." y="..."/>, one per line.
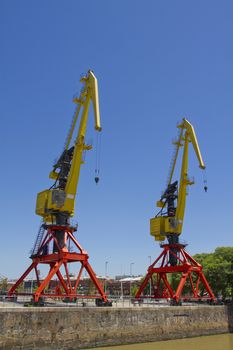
<point x="65" y="287"/>
<point x="187" y="269"/>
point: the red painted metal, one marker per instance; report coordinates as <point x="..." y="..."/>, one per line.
<point x="159" y="272"/>
<point x="55" y="261"/>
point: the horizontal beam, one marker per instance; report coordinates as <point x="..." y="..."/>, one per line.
<point x="66" y="256"/>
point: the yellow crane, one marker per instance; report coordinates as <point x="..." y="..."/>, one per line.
<point x="55" y="244"/>
<point x="169" y="224"/>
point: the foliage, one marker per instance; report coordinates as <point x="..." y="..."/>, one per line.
<point x="3" y="284"/>
<point x="218" y="269"/>
<point x="134" y="289"/>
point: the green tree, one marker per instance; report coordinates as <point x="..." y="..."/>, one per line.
<point x="3" y="284"/>
<point x="134" y="289"/>
<point x="218" y="269"/>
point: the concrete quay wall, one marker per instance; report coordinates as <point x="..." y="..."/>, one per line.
<point x="81" y="328"/>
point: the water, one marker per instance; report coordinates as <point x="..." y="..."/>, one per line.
<point x="212" y="342"/>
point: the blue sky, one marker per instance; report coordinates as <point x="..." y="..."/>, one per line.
<point x="156" y="62"/>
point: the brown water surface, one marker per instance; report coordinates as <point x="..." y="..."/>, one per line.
<point x="212" y="342"/>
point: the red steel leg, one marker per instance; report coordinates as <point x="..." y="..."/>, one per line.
<point x="20" y="280"/>
<point x="95" y="280"/>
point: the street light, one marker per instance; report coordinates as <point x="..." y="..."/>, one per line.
<point x="131" y="266"/>
<point x="105" y="284"/>
<point x="122" y="292"/>
<point x="32" y="278"/>
<point x="150" y="278"/>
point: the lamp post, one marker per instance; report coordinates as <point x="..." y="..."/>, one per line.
<point x="131" y="266"/>
<point x="150" y="278"/>
<point x="122" y="292"/>
<point x="32" y="277"/>
<point x="31" y="289"/>
<point x="105" y="284"/>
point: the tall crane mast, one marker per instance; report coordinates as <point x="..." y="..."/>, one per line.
<point x="169" y="224"/>
<point x="55" y="245"/>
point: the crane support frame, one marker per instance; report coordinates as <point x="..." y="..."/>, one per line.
<point x="65" y="289"/>
<point x="158" y="277"/>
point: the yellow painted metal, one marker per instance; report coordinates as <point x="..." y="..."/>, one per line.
<point x="191" y="135"/>
<point x="53" y="175"/>
<point x="57" y="200"/>
<point x="160" y="204"/>
<point x="157" y="228"/>
<point x="41" y="201"/>
<point x="161" y="226"/>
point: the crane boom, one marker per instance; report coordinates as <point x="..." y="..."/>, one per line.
<point x="189" y="136"/>
<point x="178" y="143"/>
<point x="169" y="225"/>
<point x="192" y="138"/>
<point x="92" y="89"/>
<point x="56" y="204"/>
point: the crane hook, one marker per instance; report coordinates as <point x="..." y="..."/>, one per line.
<point x="205" y="186"/>
<point x="97" y="165"/>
